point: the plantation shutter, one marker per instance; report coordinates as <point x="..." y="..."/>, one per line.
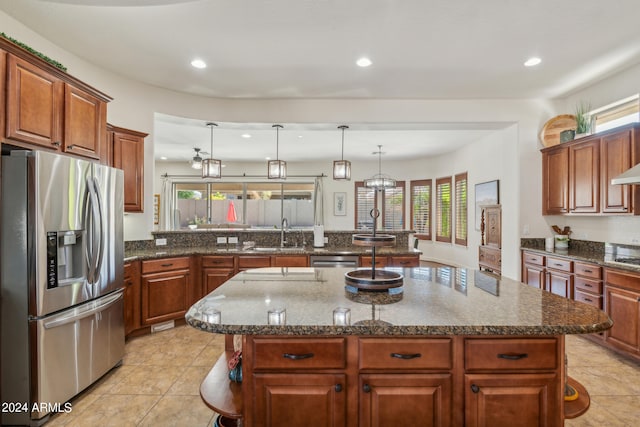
<point x="421" y="208"/>
<point x="393" y="207"/>
<point x="443" y="209"/>
<point x="365" y="201"/>
<point x="461" y="209"/>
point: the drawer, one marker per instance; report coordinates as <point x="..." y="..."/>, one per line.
<point x="165" y="264"/>
<point x="399" y="353"/>
<point x="254" y="261"/>
<point x="128" y="270"/>
<point x="510" y="354"/>
<point x="559" y="264"/>
<point x="587" y="298"/>
<point x="404" y="261"/>
<point x="381" y="261"/>
<point x="290" y="261"/>
<point x="535" y="259"/>
<point x="217" y="261"/>
<point x="299" y="353"/>
<point x="622" y="279"/>
<point x="587" y="270"/>
<point x="587" y="285"/>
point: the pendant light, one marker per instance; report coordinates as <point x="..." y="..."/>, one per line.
<point x="277" y="169"/>
<point x="196" y="161"/>
<point x="211" y="168"/>
<point x="342" y="167"/>
<point x="380" y="181"/>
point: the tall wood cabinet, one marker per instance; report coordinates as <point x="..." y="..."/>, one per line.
<point x="128" y="154"/>
<point x="576" y="176"/>
<point x="489" y="252"/>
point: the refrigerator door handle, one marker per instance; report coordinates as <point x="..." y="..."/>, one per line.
<point x="100" y="219"/>
<point x="72" y="317"/>
<point x="95" y="230"/>
<point x="88" y="225"/>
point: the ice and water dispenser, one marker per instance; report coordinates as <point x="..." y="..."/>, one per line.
<point x="65" y="258"/>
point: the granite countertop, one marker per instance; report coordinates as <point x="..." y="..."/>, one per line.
<point x="434" y="301"/>
<point x="166" y="251"/>
<point x="581" y="254"/>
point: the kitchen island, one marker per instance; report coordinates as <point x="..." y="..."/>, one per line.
<point x="455" y="347"/>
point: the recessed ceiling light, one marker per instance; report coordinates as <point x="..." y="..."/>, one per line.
<point x="163" y="158"/>
<point x="533" y="61"/>
<point x="299" y="136"/>
<point x="267" y="158"/>
<point x="363" y="62"/>
<point x="245" y="135"/>
<point x="198" y="63"/>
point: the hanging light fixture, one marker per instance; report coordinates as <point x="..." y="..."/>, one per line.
<point x="211" y="168"/>
<point x="380" y="181"/>
<point x="342" y="167"/>
<point x="196" y="161"/>
<point x="277" y="169"/>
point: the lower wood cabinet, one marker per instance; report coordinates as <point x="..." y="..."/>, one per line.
<point x="391" y="261"/>
<point x="622" y="297"/>
<point x="215" y="271"/>
<point x="131" y="297"/>
<point x="406" y="381"/>
<point x="167" y="290"/>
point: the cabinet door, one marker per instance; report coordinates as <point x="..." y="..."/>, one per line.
<point x="493" y="226"/>
<point x="214" y="277"/>
<point x="406" y="400"/>
<point x="85" y="123"/>
<point x="615" y="159"/>
<point x="290" y="261"/>
<point x="584" y="177"/>
<point x="128" y="155"/>
<point x="623" y="307"/>
<point x="555" y="181"/>
<point x="513" y="400"/>
<point x="310" y="400"/>
<point x="34" y="106"/>
<point x="560" y="283"/>
<point x="165" y="296"/>
<point x="404" y="261"/>
<point x="534" y="275"/>
<point x="131" y="297"/>
<point x="381" y="261"/>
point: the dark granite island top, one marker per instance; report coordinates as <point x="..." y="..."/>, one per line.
<point x="434" y="301"/>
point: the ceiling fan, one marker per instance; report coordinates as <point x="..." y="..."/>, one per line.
<point x="196" y="160"/>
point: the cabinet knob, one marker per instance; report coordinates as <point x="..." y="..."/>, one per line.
<point x="366" y="388"/>
<point x="475" y="388"/>
<point x="71" y="147"/>
<point x="338" y="388"/>
<point x="56" y="143"/>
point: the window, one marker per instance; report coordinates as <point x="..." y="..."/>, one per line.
<point x="392" y="210"/>
<point x="461" y="209"/>
<point x="421" y="208"/>
<point x="617" y="114"/>
<point x="443" y="209"/>
<point x="243" y="203"/>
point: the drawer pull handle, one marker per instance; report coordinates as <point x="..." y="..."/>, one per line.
<point x="406" y="356"/>
<point x="512" y="356"/>
<point x="586" y="285"/>
<point x="297" y="356"/>
<point x="166" y="265"/>
<point x="588" y="271"/>
<point x="475" y="388"/>
<point x="588" y="299"/>
<point x="338" y="388"/>
<point x="366" y="388"/>
<point x="557" y="264"/>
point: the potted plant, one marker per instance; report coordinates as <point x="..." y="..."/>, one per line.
<point x="584" y="121"/>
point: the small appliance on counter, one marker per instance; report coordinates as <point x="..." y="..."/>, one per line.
<point x="318" y="236"/>
<point x="62" y="252"/>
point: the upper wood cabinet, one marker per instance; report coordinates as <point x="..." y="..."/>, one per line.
<point x="127" y="148"/>
<point x="576" y="176"/>
<point x="48" y="108"/>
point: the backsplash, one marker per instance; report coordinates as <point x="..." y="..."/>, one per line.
<point x="578" y="245"/>
<point x="266" y="238"/>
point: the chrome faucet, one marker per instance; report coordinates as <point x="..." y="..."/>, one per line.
<point x="285" y="225"/>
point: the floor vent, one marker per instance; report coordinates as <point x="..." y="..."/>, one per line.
<point x="162" y="326"/>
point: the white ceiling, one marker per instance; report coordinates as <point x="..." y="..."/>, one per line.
<point x="435" y="49"/>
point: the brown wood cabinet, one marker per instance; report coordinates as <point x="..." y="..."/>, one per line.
<point x="43" y="110"/>
<point x="127" y="147"/>
<point x="576" y="176"/>
<point x="622" y="299"/>
<point x="132" y="295"/>
<point x="559" y="279"/>
<point x="247" y="262"/>
<point x="533" y="270"/>
<point x="391" y="261"/>
<point x="290" y="261"/>
<point x="489" y="252"/>
<point x="166" y="289"/>
<point x="215" y="271"/>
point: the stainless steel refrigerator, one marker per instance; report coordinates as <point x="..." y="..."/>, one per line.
<point x="62" y="280"/>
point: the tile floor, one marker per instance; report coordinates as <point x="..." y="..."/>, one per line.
<point x="159" y="380"/>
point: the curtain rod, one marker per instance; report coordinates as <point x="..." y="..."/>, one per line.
<point x="244" y="175"/>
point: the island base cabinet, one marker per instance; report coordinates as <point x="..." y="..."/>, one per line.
<point x="407" y="400"/>
<point x="310" y="400"/>
<point x="508" y="400"/>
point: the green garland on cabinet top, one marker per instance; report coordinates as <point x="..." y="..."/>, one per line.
<point x="34" y="52"/>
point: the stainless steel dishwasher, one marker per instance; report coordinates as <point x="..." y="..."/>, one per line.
<point x="350" y="261"/>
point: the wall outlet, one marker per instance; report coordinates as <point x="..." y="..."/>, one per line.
<point x="221" y="240"/>
<point x="525" y="230"/>
<point x="326" y="240"/>
<point x="233" y="240"/>
<point x="161" y="242"/>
